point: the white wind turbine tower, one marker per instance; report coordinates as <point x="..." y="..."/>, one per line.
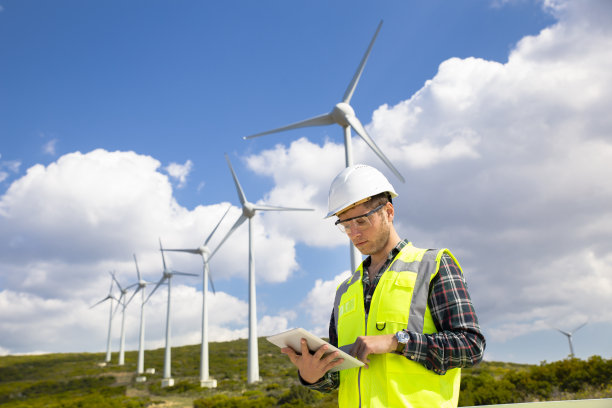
<point x="142" y="284"/>
<point x="248" y="212"/>
<point x="344" y="115"/>
<point x="124" y="306"/>
<point x="569" y="336"/>
<point x="110" y="297"/>
<point x="167" y="381"/>
<point x="204" y="252"/>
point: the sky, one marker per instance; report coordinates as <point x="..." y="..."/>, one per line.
<point x="116" y="116"/>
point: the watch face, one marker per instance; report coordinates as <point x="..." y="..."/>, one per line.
<point x="402" y="339"/>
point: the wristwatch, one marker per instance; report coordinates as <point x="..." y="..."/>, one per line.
<point x="402" y="339"/>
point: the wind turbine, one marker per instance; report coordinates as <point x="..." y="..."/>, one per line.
<point x="204" y="252"/>
<point x="344" y="115"/>
<point x="110" y="297"/>
<point x="569" y="336"/>
<point x="167" y="275"/>
<point x="124" y="305"/>
<point x="142" y="284"/>
<point x="248" y="212"/>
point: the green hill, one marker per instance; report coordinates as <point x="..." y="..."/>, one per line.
<point x="78" y="380"/>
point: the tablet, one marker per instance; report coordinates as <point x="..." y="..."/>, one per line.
<point x="291" y="338"/>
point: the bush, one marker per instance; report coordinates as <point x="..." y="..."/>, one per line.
<point x="223" y="401"/>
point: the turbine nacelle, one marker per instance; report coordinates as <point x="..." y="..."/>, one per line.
<point x="248" y="210"/>
<point x="340" y="112"/>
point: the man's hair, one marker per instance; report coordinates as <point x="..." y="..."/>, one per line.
<point x="378" y="199"/>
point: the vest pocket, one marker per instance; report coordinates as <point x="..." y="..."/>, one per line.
<point x="392" y="308"/>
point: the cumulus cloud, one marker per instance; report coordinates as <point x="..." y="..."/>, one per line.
<point x="69" y="223"/>
<point x="180" y="172"/>
<point x="507" y="164"/>
<point x="319" y="302"/>
<point x="303" y="182"/>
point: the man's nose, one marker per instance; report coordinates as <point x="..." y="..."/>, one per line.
<point x="353" y="232"/>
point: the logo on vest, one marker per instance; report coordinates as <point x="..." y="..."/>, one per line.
<point x="346" y="307"/>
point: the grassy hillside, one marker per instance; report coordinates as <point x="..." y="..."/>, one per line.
<point x="77" y="380"/>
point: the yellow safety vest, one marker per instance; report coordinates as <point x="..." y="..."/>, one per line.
<point x="399" y="302"/>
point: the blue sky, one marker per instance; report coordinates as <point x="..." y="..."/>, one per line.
<point x="116" y="117"/>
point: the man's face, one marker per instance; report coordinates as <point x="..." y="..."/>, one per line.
<point x="374" y="238"/>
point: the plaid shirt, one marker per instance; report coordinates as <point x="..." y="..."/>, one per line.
<point x="459" y="341"/>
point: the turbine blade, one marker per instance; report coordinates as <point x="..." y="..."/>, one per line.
<point x="116" y="281"/>
<point x="118" y="304"/>
<point x="563" y="332"/>
<point x="155" y="288"/>
<point x="137" y="270"/>
<point x="184" y="273"/>
<point x="133" y="294"/>
<point x="274" y="208"/>
<point x="161" y="249"/>
<point x="241" y="195"/>
<point x="212" y="285"/>
<point x="191" y="251"/>
<point x="360" y="130"/>
<point x="351" y="88"/>
<point x="320" y="120"/>
<point x="238" y="222"/>
<point x="217" y="226"/>
<point x="579" y="327"/>
<point x="103" y="300"/>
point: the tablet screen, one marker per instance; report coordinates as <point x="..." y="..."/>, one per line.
<point x="292" y="338"/>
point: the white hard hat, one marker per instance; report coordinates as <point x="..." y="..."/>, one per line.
<point x="356" y="183"/>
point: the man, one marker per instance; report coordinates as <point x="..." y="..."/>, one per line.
<point x="405" y="312"/>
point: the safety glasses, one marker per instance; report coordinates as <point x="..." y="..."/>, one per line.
<point x="358" y="223"/>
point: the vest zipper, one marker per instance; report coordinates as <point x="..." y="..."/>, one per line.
<point x="360" y="368"/>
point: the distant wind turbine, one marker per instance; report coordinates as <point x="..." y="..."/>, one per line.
<point x="569" y="336"/>
<point x="123" y="303"/>
<point x="204" y="252"/>
<point x="110" y="297"/>
<point x="142" y="284"/>
<point x="248" y="212"/>
<point x="167" y="275"/>
<point x="344" y="115"/>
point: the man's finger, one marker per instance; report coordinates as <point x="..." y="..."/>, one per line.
<point x="305" y="350"/>
<point x="319" y="353"/>
<point x="334" y="362"/>
<point x="290" y="353"/>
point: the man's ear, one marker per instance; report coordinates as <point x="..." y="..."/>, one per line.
<point x="390" y="211"/>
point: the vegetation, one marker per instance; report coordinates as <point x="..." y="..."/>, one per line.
<point x="78" y="380"/>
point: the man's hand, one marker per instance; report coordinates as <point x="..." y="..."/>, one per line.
<point x="366" y="345"/>
<point x="312" y="366"/>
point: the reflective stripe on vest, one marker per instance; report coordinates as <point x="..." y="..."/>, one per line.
<point x="399" y="301"/>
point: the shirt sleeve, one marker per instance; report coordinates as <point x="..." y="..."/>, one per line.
<point x="459" y="341"/>
<point x="330" y="381"/>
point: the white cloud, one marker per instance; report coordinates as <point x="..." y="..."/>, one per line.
<point x="506" y="164"/>
<point x="69" y="223"/>
<point x="320" y="301"/>
<point x="12" y="166"/>
<point x="180" y="172"/>
<point x="301" y="174"/>
<point x="49" y="147"/>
